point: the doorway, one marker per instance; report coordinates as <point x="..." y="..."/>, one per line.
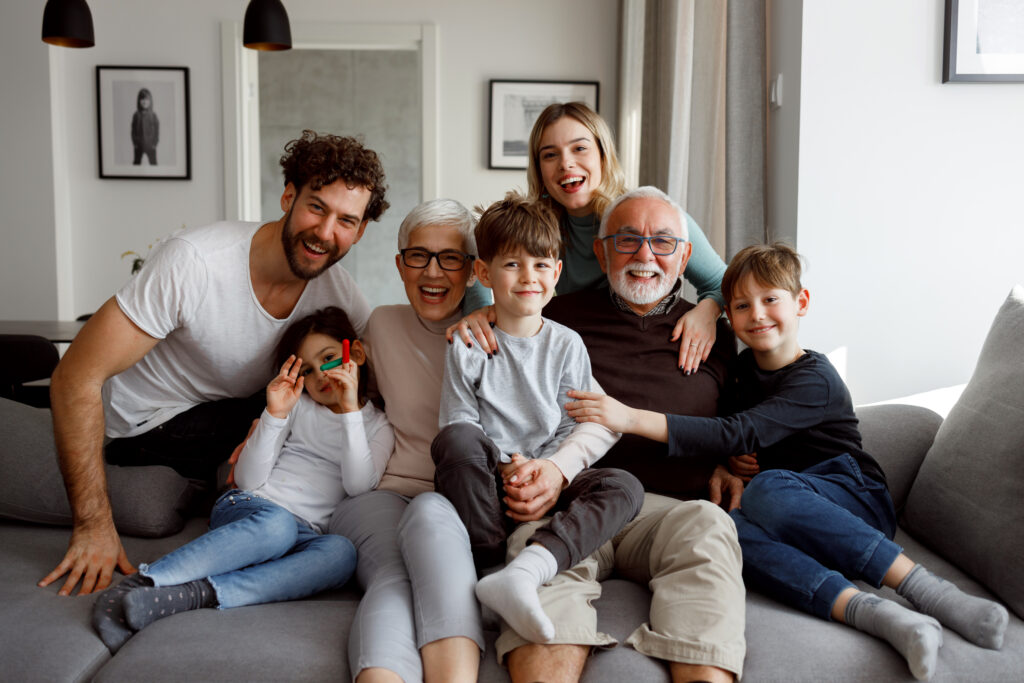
<point x="377" y="83"/>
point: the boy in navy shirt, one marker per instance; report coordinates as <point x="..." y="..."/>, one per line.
<point x="817" y="512"/>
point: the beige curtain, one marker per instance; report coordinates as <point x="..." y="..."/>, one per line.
<point x="702" y="118"/>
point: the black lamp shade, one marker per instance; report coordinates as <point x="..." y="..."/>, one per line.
<point x="68" y="23"/>
<point x="266" y="26"/>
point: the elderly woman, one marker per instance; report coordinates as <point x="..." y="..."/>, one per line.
<point x="419" y="618"/>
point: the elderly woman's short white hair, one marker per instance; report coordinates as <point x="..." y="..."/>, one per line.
<point x="645" y="192"/>
<point x="440" y="213"/>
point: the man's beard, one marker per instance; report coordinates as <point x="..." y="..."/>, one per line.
<point x="292" y="244"/>
<point x="642" y="293"/>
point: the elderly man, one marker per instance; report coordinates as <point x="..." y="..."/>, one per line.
<point x="165" y="366"/>
<point x="686" y="551"/>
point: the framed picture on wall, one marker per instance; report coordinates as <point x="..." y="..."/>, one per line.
<point x="983" y="41"/>
<point x="143" y="127"/>
<point x="515" y="105"/>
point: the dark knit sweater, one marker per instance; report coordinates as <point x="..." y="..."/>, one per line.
<point x="794" y="417"/>
<point x="634" y="361"/>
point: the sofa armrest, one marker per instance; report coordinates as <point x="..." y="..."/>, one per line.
<point x="898" y="436"/>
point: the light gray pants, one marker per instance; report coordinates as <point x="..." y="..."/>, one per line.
<point x="416" y="568"/>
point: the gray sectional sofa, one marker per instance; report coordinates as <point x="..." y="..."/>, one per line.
<point x="957" y="483"/>
<point x="44" y="637"/>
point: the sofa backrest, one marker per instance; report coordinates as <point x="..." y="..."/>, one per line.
<point x="898" y="436"/>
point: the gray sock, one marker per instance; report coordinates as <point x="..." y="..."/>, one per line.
<point x="143" y="606"/>
<point x="512" y="593"/>
<point x="915" y="636"/>
<point x="980" y="621"/>
<point x="108" y="612"/>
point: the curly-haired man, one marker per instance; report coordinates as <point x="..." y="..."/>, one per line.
<point x="172" y="366"/>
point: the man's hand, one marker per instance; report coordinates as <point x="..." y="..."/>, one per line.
<point x="476" y="325"/>
<point x="91" y="557"/>
<point x="532" y="487"/>
<point x="744" y="466"/>
<point x="722" y="483"/>
<point x="696" y="333"/>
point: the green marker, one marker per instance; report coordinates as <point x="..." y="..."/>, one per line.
<point x="337" y="361"/>
<point x="331" y="364"/>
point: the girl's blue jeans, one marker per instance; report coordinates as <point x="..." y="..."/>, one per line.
<point x="804" y="535"/>
<point x="257" y="551"/>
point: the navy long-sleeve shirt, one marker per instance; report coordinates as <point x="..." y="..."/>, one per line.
<point x="793" y="418"/>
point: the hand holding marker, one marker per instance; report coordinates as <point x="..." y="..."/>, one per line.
<point x="337" y="361"/>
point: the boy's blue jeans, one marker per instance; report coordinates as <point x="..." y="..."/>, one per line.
<point x="804" y="535"/>
<point x="257" y="551"/>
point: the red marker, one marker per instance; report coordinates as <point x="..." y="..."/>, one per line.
<point x="344" y="351"/>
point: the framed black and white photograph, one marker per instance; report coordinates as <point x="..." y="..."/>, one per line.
<point x="515" y="105"/>
<point x="143" y="126"/>
<point x="984" y="41"/>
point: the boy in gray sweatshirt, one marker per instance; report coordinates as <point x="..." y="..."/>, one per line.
<point x="504" y="424"/>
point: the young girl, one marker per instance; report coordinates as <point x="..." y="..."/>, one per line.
<point x="266" y="541"/>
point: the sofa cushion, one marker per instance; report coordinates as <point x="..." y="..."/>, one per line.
<point x="966" y="500"/>
<point x="146" y="501"/>
<point x="898" y="436"/>
<point x="43" y="636"/>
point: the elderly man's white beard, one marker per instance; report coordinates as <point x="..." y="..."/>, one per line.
<point x="642" y="292"/>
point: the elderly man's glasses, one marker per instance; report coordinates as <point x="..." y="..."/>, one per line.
<point x="448" y="259"/>
<point x="628" y="243"/>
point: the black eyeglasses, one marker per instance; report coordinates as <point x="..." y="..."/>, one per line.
<point x="448" y="259"/>
<point x="628" y="243"/>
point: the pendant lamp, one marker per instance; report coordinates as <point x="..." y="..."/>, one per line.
<point x="266" y="26"/>
<point x="68" y="23"/>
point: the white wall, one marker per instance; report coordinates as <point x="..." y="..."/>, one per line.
<point x="28" y="281"/>
<point x="911" y="196"/>
<point x="908" y="194"/>
<point x="478" y="40"/>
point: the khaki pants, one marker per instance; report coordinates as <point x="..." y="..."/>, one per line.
<point x="688" y="555"/>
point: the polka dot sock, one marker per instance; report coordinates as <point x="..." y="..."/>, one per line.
<point x="143" y="606"/>
<point x="108" y="612"/>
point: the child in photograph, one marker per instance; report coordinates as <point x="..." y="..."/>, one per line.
<point x="145" y="129"/>
<point x="817" y="513"/>
<point x="266" y="541"/>
<point x="503" y="424"/>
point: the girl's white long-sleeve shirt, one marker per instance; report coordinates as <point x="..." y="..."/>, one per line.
<point x="312" y="459"/>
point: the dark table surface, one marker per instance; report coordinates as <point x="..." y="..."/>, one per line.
<point x="57" y="331"/>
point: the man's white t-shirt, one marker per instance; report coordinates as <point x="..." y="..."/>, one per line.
<point x="195" y="295"/>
